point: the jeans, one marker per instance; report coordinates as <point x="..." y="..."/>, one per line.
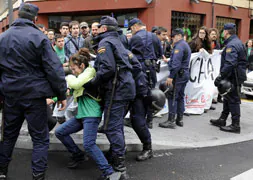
<point x="90" y="127"/>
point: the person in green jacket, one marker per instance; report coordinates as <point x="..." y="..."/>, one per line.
<point x="88" y="117"/>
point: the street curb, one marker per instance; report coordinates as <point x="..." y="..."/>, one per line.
<point x="24" y="142"/>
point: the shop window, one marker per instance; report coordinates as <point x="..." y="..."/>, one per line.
<point x="220" y="21"/>
<point x="188" y="21"/>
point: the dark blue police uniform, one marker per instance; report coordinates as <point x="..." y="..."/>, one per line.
<point x="30" y="72"/>
<point x="112" y="56"/>
<point x="233" y="69"/>
<point x="147" y="48"/>
<point x="139" y="110"/>
<point x="179" y="72"/>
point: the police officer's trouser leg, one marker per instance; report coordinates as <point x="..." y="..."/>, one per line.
<point x="176" y="106"/>
<point x="234" y="107"/>
<point x="221" y="121"/>
<point x="36" y="116"/>
<point x="138" y="114"/>
<point x="115" y="134"/>
<point x="13" y="120"/>
<point x="180" y="104"/>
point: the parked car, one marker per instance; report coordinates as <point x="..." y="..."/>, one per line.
<point x="247" y="87"/>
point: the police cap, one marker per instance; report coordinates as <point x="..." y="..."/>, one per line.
<point x="28" y="11"/>
<point x="133" y="22"/>
<point x="109" y="21"/>
<point x="229" y="26"/>
<point x="177" y="31"/>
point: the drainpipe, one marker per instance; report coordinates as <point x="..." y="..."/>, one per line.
<point x="10" y="12"/>
<point x="212" y="13"/>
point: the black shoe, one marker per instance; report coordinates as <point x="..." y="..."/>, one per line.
<point x="113" y="176"/>
<point x="231" y="128"/>
<point x="77" y="159"/>
<point x="145" y="155"/>
<point x="212" y="108"/>
<point x="3" y="172"/>
<point x="218" y="122"/>
<point x="40" y="176"/>
<point x="170" y="123"/>
<point x="179" y="121"/>
<point x="150" y="125"/>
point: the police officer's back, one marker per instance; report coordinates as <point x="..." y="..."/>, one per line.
<point x="232" y="70"/>
<point x="30" y="72"/>
<point x="147" y="48"/>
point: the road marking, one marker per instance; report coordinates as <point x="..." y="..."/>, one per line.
<point x="247" y="100"/>
<point x="247" y="175"/>
<point x="162" y="154"/>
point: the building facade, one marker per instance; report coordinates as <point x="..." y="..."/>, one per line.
<point x="168" y="13"/>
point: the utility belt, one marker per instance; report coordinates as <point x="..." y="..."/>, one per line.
<point x="149" y="62"/>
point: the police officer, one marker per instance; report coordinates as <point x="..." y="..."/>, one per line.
<point x="147" y="48"/>
<point x="30" y="72"/>
<point x="115" y="79"/>
<point x="138" y="110"/>
<point x="178" y="77"/>
<point x="233" y="69"/>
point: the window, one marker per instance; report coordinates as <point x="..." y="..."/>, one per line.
<point x="220" y="21"/>
<point x="188" y="21"/>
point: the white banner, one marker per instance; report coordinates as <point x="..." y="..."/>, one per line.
<point x="200" y="89"/>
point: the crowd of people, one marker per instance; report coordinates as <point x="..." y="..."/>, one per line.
<point x="46" y="75"/>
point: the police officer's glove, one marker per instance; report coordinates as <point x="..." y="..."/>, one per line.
<point x="217" y="81"/>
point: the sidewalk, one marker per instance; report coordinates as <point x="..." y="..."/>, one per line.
<point x="197" y="132"/>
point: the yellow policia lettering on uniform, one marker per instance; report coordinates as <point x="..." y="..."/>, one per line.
<point x="228" y="50"/>
<point x="101" y="50"/>
<point x="176" y="51"/>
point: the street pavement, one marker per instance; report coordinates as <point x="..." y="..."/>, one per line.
<point x="197" y="132"/>
<point x="212" y="163"/>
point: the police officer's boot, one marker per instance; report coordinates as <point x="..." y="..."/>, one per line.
<point x="233" y="128"/>
<point x="3" y="171"/>
<point x="170" y="123"/>
<point x="146" y="153"/>
<point x="119" y="166"/>
<point x="219" y="122"/>
<point x="40" y="176"/>
<point x="77" y="159"/>
<point x="179" y="120"/>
